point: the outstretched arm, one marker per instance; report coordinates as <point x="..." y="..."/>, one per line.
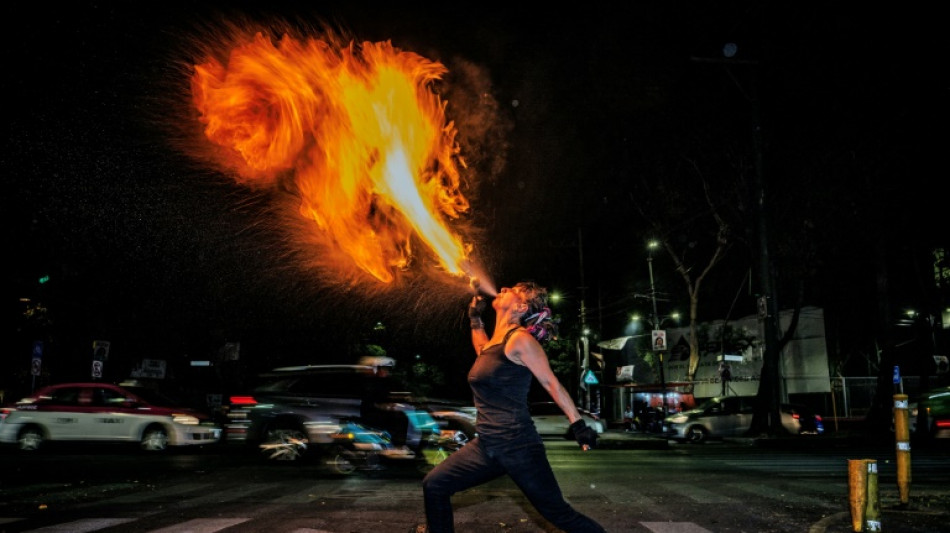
<point x="525" y="348"/>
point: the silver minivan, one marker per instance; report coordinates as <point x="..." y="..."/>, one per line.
<point x="731" y="416"/>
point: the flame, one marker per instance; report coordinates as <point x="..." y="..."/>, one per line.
<point x="358" y="130"/>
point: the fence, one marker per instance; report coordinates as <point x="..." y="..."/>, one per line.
<point x="852" y="397"/>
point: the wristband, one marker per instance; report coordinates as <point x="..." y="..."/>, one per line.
<point x="477" y="323"/>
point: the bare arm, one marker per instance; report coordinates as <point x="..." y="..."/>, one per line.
<point x="524" y="348"/>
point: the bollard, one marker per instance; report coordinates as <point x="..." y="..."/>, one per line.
<point x="863" y="486"/>
<point x="872" y="513"/>
<point x="858" y="489"/>
<point x="902" y="435"/>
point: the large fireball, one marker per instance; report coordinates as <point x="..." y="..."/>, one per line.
<point x="358" y="131"/>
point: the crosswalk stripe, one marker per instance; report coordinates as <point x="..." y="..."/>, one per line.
<point x="201" y="525"/>
<point x="83" y="526"/>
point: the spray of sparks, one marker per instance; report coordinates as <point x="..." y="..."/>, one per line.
<point x="356" y="132"/>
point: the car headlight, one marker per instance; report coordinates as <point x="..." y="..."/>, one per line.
<point x="677" y="419"/>
<point x="186" y="419"/>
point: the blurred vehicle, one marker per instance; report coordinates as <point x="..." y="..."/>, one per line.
<point x="549" y="419"/>
<point x="347" y="447"/>
<point x="101" y="412"/>
<point x="307" y="405"/>
<point x="930" y="414"/>
<point x="452" y="416"/>
<point x="731" y="416"/>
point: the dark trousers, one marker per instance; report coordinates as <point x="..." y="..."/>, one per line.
<point x="526" y="464"/>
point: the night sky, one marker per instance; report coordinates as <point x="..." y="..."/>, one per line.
<point x="165" y="256"/>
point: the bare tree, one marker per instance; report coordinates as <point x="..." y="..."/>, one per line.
<point x="693" y="271"/>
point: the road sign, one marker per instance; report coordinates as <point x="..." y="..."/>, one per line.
<point x="100" y="350"/>
<point x="97" y="369"/>
<point x="37" y="363"/>
<point x="590" y="378"/>
<point x="897" y="374"/>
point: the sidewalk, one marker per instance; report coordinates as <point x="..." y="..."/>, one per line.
<point x="620" y="439"/>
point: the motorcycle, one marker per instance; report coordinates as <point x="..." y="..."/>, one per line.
<point x="344" y="448"/>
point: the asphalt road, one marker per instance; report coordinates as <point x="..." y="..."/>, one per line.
<point x="628" y="485"/>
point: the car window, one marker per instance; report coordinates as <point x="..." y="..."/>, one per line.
<point x="331" y="384"/>
<point x="62" y="396"/>
<point x="149" y="395"/>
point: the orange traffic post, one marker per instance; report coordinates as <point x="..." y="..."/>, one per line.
<point x="864" y="500"/>
<point x="858" y="490"/>
<point x="872" y="512"/>
<point x="902" y="434"/>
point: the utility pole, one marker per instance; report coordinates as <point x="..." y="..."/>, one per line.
<point x="771" y="392"/>
<point x="656" y="327"/>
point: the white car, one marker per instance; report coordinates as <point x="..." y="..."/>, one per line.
<point x="549" y="419"/>
<point x="101" y="412"/>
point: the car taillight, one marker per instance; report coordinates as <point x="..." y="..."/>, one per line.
<point x="243" y="400"/>
<point x="4" y="413"/>
<point x="818" y="418"/>
<point x="943" y="423"/>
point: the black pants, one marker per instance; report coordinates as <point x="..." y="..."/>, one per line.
<point x="526" y="464"/>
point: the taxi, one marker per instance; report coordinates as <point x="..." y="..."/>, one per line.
<point x="106" y="413"/>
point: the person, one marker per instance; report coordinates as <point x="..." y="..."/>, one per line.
<point x="507" y="442"/>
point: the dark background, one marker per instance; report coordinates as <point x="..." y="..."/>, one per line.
<point x="166" y="258"/>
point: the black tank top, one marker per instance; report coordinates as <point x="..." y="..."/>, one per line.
<point x="500" y="389"/>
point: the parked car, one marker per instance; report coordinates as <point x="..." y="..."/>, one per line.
<point x="550" y="420"/>
<point x="731" y="416"/>
<point x="307" y="404"/>
<point x="102" y="412"/>
<point x="930" y="414"/>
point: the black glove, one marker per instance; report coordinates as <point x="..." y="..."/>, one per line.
<point x="475" y="310"/>
<point x="477" y="307"/>
<point x="584" y="434"/>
